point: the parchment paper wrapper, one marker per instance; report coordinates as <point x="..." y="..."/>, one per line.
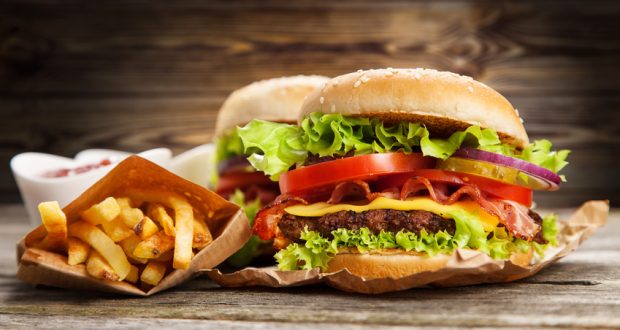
<point x="227" y="223"/>
<point x="464" y="267"/>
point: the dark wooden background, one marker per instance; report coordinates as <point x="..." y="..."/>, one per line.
<point x="138" y="75"/>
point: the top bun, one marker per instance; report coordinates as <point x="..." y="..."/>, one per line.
<point x="277" y="99"/>
<point x="444" y="101"/>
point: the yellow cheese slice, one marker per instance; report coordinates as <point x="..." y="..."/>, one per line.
<point x="488" y="221"/>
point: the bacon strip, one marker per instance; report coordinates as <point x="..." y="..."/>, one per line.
<point x="517" y="220"/>
<point x="357" y="190"/>
<point x="266" y="220"/>
<point x="417" y="183"/>
<point x="512" y="215"/>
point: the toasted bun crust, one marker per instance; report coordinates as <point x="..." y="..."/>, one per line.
<point x="445" y="102"/>
<point x="277" y="99"/>
<point x="397" y="265"/>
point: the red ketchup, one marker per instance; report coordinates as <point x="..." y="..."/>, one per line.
<point x="64" y="172"/>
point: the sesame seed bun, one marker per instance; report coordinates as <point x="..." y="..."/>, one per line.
<point x="445" y="102"/>
<point x="390" y="264"/>
<point x="277" y="99"/>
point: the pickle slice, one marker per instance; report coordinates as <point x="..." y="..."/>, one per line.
<point x="497" y="172"/>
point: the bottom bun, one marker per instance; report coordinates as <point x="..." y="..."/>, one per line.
<point x="391" y="265"/>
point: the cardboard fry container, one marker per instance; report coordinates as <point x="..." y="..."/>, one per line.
<point x="464" y="267"/>
<point x="226" y="221"/>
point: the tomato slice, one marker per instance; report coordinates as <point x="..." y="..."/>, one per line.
<point x="240" y="180"/>
<point x="364" y="167"/>
<point x="519" y="194"/>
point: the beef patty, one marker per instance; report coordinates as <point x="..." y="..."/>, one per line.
<point x="375" y="220"/>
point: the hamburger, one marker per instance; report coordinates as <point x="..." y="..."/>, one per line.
<point x="388" y="172"/>
<point x="277" y="100"/>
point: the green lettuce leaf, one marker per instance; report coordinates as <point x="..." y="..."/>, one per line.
<point x="227" y="146"/>
<point x="316" y="251"/>
<point x="243" y="257"/>
<point x="275" y="147"/>
<point x="539" y="152"/>
<point x="550" y="229"/>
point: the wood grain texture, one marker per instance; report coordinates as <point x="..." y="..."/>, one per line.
<point x="75" y="76"/>
<point x="581" y="291"/>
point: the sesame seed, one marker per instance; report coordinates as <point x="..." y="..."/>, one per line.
<point x="417" y="76"/>
<point x="470" y="89"/>
<point x="321" y="100"/>
<point x="360" y="70"/>
<point x="365" y="79"/>
<point x="357" y="84"/>
<point x="335" y="82"/>
<point x="332" y="108"/>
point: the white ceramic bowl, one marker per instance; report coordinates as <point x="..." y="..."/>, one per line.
<point x="196" y="165"/>
<point x="28" y="169"/>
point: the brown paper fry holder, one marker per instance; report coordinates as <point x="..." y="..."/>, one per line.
<point x="464" y="267"/>
<point x="226" y="221"/>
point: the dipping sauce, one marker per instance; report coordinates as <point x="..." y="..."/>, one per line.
<point x="64" y="172"/>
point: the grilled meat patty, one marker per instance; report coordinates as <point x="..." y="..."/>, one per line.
<point x="376" y="220"/>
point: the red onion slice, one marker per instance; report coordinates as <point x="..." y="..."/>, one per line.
<point x="516" y="163"/>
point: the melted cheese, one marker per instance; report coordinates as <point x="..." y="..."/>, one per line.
<point x="488" y="221"/>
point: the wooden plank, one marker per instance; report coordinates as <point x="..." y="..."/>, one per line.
<point x="515" y="48"/>
<point x="581" y="291"/>
<point x="55" y="322"/>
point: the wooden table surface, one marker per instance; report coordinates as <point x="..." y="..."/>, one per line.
<point x="583" y="291"/>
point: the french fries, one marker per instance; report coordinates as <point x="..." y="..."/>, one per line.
<point x="154" y="246"/>
<point x="184" y="228"/>
<point x="116" y="229"/>
<point x="184" y="222"/>
<point x="103" y="244"/>
<point x="137" y="238"/>
<point x="159" y="214"/>
<point x="77" y="250"/>
<point x="153" y="273"/>
<point x="129" y="215"/>
<point x="129" y="245"/>
<point x="202" y="235"/>
<point x="145" y="228"/>
<point x="55" y="223"/>
<point x="132" y="277"/>
<point x="98" y="267"/>
<point x="105" y="211"/>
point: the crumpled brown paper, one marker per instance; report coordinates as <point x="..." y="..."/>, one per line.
<point x="464" y="267"/>
<point x="228" y="224"/>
